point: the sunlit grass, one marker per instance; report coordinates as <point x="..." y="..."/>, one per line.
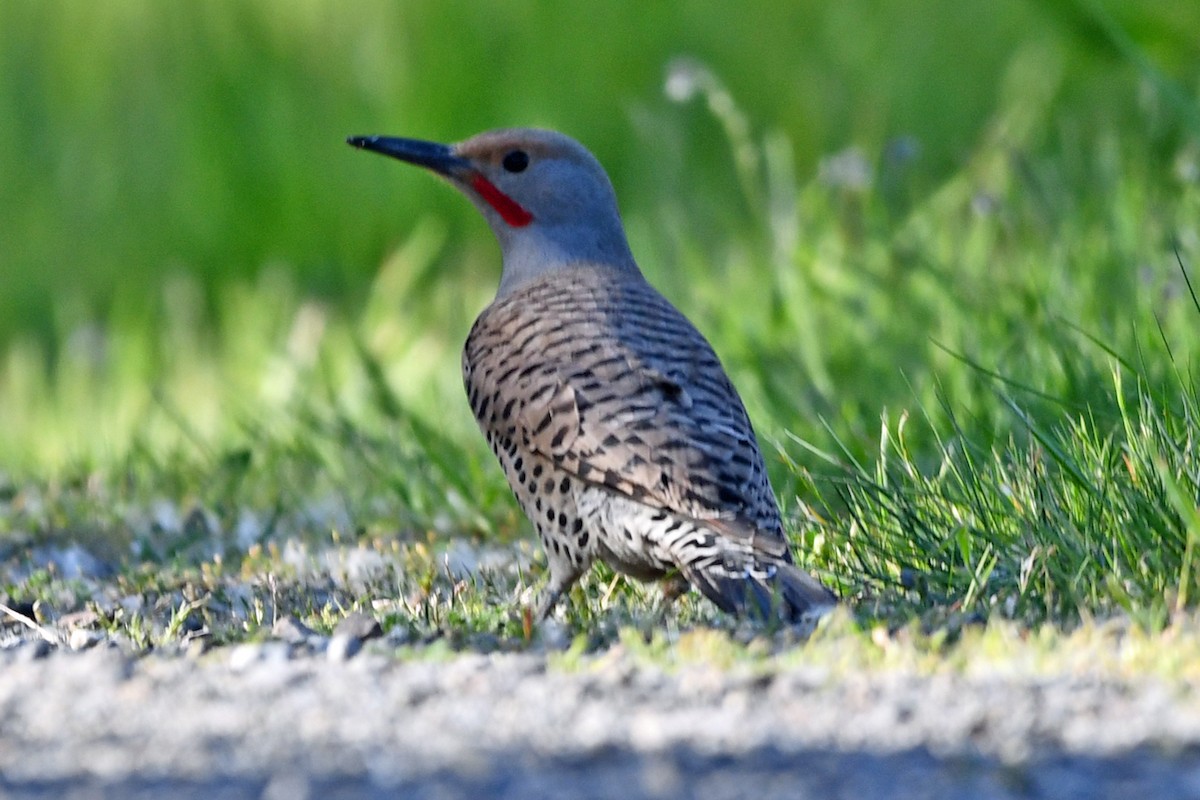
<point x="975" y="387"/>
<point x="1043" y="492"/>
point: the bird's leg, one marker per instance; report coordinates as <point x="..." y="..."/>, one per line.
<point x="547" y="599"/>
<point x="562" y="578"/>
<point x="673" y="587"/>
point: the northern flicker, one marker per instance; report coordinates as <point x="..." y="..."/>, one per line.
<point x="617" y="428"/>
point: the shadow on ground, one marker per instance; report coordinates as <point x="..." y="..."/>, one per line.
<point x="762" y="774"/>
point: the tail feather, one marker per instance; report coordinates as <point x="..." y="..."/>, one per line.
<point x="775" y="590"/>
<point x="803" y="594"/>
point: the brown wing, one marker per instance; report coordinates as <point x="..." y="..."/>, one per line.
<point x="613" y="384"/>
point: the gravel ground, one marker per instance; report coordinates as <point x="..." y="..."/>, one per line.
<point x="276" y="721"/>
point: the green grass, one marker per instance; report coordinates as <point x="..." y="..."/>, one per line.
<point x="957" y="297"/>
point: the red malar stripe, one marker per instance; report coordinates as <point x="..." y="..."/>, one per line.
<point x="505" y="206"/>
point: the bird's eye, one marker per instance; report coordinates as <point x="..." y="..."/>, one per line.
<point x="516" y="161"/>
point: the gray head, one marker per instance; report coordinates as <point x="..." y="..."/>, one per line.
<point x="547" y="198"/>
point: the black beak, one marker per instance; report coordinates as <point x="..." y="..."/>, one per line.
<point x="438" y="157"/>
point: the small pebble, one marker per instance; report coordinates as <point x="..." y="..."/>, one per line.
<point x="196" y="646"/>
<point x="246" y="655"/>
<point x="34" y="649"/>
<point x="292" y="630"/>
<point x="80" y="619"/>
<point x="554" y="635"/>
<point x="343" y="648"/>
<point x="43" y="612"/>
<point x="84" y="639"/>
<point x="358" y="625"/>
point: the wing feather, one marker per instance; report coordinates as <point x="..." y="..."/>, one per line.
<point x="609" y="381"/>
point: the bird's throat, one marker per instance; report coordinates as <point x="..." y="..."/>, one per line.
<point x="509" y="210"/>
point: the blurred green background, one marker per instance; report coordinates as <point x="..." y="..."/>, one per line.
<point x="162" y="160"/>
<point x="941" y="247"/>
<point x="143" y="139"/>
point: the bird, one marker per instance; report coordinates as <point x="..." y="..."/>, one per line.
<point x="618" y="429"/>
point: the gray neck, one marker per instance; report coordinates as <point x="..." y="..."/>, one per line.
<point x="530" y="253"/>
